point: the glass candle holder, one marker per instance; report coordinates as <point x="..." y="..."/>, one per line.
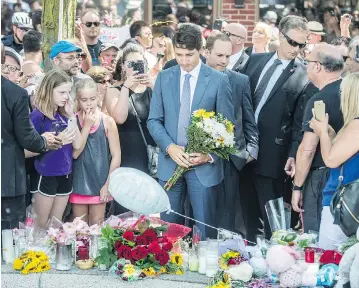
<point x="83" y="253"/>
<point x="202" y="257"/>
<point x="63" y="256"/>
<point x="193" y="261"/>
<point x="212" y="265"/>
<point x="309" y="255"/>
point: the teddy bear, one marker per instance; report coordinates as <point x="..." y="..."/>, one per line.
<point x="349" y="267"/>
<point x="282" y="260"/>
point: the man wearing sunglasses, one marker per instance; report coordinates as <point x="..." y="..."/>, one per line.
<point x="237" y="33"/>
<point x="21" y="23"/>
<point x="278" y="83"/>
<point x="90" y="23"/>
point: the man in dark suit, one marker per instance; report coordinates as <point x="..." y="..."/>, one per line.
<point x="237" y="33"/>
<point x="193" y="86"/>
<point x="17" y="134"/>
<point x="218" y="50"/>
<point x="278" y="82"/>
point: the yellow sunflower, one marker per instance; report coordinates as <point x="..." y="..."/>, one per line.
<point x="176" y="258"/>
<point x="149" y="271"/>
<point x="18" y="264"/>
<point x="199" y="113"/>
<point x="163" y="270"/>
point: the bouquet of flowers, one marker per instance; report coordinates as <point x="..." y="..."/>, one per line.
<point x="32" y="262"/>
<point x="143" y="246"/>
<point x="230" y="258"/>
<point x="208" y="133"/>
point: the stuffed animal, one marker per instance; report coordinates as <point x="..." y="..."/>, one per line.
<point x="258" y="263"/>
<point x="349" y="267"/>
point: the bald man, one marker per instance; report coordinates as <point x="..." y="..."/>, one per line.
<point x="325" y="66"/>
<point x="237" y="33"/>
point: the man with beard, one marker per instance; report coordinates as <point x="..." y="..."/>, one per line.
<point x="67" y="57"/>
<point x="21" y="23"/>
<point x="90" y="23"/>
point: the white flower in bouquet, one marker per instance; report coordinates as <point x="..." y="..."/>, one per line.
<point x="242" y="272"/>
<point x="80" y="224"/>
<point x="69" y="229"/>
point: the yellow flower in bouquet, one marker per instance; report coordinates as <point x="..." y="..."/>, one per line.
<point x="18" y="264"/>
<point x="230" y="254"/>
<point x="129" y="269"/>
<point x="220" y="284"/>
<point x="149" y="271"/>
<point x="32" y="262"/>
<point x="163" y="270"/>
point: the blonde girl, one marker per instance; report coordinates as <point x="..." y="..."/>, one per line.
<point x="98" y="156"/>
<point x="53" y="113"/>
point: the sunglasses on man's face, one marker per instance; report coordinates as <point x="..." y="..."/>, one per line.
<point x="229" y="34"/>
<point x="24" y="29"/>
<point x="294" y="43"/>
<point x="89" y="24"/>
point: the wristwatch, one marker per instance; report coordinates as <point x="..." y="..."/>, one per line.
<point x="296" y="188"/>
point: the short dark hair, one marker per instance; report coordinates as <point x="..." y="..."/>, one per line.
<point x="330" y="62"/>
<point x="188" y="36"/>
<point x="337" y="41"/>
<point x="213" y="38"/>
<point x="36" y="17"/>
<point x="32" y="41"/>
<point x="136" y="27"/>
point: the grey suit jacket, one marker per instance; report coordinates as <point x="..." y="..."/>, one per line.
<point x="246" y="127"/>
<point x="212" y="93"/>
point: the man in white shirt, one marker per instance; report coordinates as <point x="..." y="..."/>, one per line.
<point x="178" y="92"/>
<point x="237" y="33"/>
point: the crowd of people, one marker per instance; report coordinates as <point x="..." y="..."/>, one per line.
<point x="100" y="106"/>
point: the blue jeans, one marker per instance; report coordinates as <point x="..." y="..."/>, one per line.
<point x="202" y="199"/>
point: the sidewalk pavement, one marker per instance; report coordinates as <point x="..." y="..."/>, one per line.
<point x="95" y="279"/>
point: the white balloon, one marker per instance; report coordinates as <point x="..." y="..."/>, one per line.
<point x="138" y="192"/>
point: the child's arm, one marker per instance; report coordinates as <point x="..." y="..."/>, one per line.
<point x="89" y="120"/>
<point x="115" y="150"/>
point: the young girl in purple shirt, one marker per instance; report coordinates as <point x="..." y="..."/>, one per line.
<point x="53" y="184"/>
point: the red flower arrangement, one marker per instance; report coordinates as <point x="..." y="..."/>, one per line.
<point x="162" y="257"/>
<point x="128" y="235"/>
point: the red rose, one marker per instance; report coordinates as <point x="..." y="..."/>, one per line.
<point x="139" y="253"/>
<point x="118" y="244"/>
<point x="150" y="235"/>
<point x="128" y="235"/>
<point x="167" y="246"/>
<point x="124" y="251"/>
<point x="162" y="257"/>
<point x="154" y="247"/>
<point x="232" y="261"/>
<point x="141" y="240"/>
<point x="163" y="239"/>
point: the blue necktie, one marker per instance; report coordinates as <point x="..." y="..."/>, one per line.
<point x="185" y="112"/>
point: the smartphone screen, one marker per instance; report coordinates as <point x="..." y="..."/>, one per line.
<point x="139" y="67"/>
<point x="72" y="124"/>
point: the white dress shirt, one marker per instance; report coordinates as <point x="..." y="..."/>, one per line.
<point x="193" y="80"/>
<point x="233" y="59"/>
<point x="275" y="76"/>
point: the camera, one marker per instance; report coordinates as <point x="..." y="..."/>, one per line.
<point x="138" y="66"/>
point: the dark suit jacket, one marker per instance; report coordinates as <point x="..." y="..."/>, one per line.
<point x="249" y="50"/>
<point x="17" y="134"/>
<point x="241" y="63"/>
<point x="280" y="119"/>
<point x="173" y="62"/>
<point x="246" y="128"/>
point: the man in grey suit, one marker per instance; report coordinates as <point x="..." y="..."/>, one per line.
<point x="218" y="51"/>
<point x="178" y="92"/>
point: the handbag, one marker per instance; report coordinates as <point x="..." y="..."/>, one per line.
<point x="344" y="205"/>
<point x="152" y="151"/>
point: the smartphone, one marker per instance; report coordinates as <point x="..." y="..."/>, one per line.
<point x="160" y="55"/>
<point x="139" y="67"/>
<point x="319" y="110"/>
<point x="71" y="124"/>
<point x="217" y="24"/>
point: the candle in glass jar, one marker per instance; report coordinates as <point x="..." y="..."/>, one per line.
<point x="309" y="255"/>
<point x="202" y="265"/>
<point x="83" y="253"/>
<point x="8" y="246"/>
<point x="193" y="264"/>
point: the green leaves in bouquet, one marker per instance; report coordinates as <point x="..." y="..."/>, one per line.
<point x="197" y="140"/>
<point x="172" y="268"/>
<point x="162" y="228"/>
<point x="107" y="254"/>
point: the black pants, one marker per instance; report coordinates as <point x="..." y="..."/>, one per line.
<point x="255" y="192"/>
<point x="312" y="198"/>
<point x="13" y="211"/>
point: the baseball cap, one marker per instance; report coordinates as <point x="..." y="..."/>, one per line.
<point x="11" y="52"/>
<point x="316" y="28"/>
<point x="63" y="47"/>
<point x="107" y="45"/>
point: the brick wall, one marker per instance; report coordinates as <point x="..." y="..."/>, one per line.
<point x="246" y="16"/>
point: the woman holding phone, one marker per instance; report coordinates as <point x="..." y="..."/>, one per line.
<point x="337" y="151"/>
<point x="129" y="105"/>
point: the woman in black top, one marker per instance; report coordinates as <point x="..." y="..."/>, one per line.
<point x="128" y="101"/>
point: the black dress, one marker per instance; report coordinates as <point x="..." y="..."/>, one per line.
<point x="133" y="149"/>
